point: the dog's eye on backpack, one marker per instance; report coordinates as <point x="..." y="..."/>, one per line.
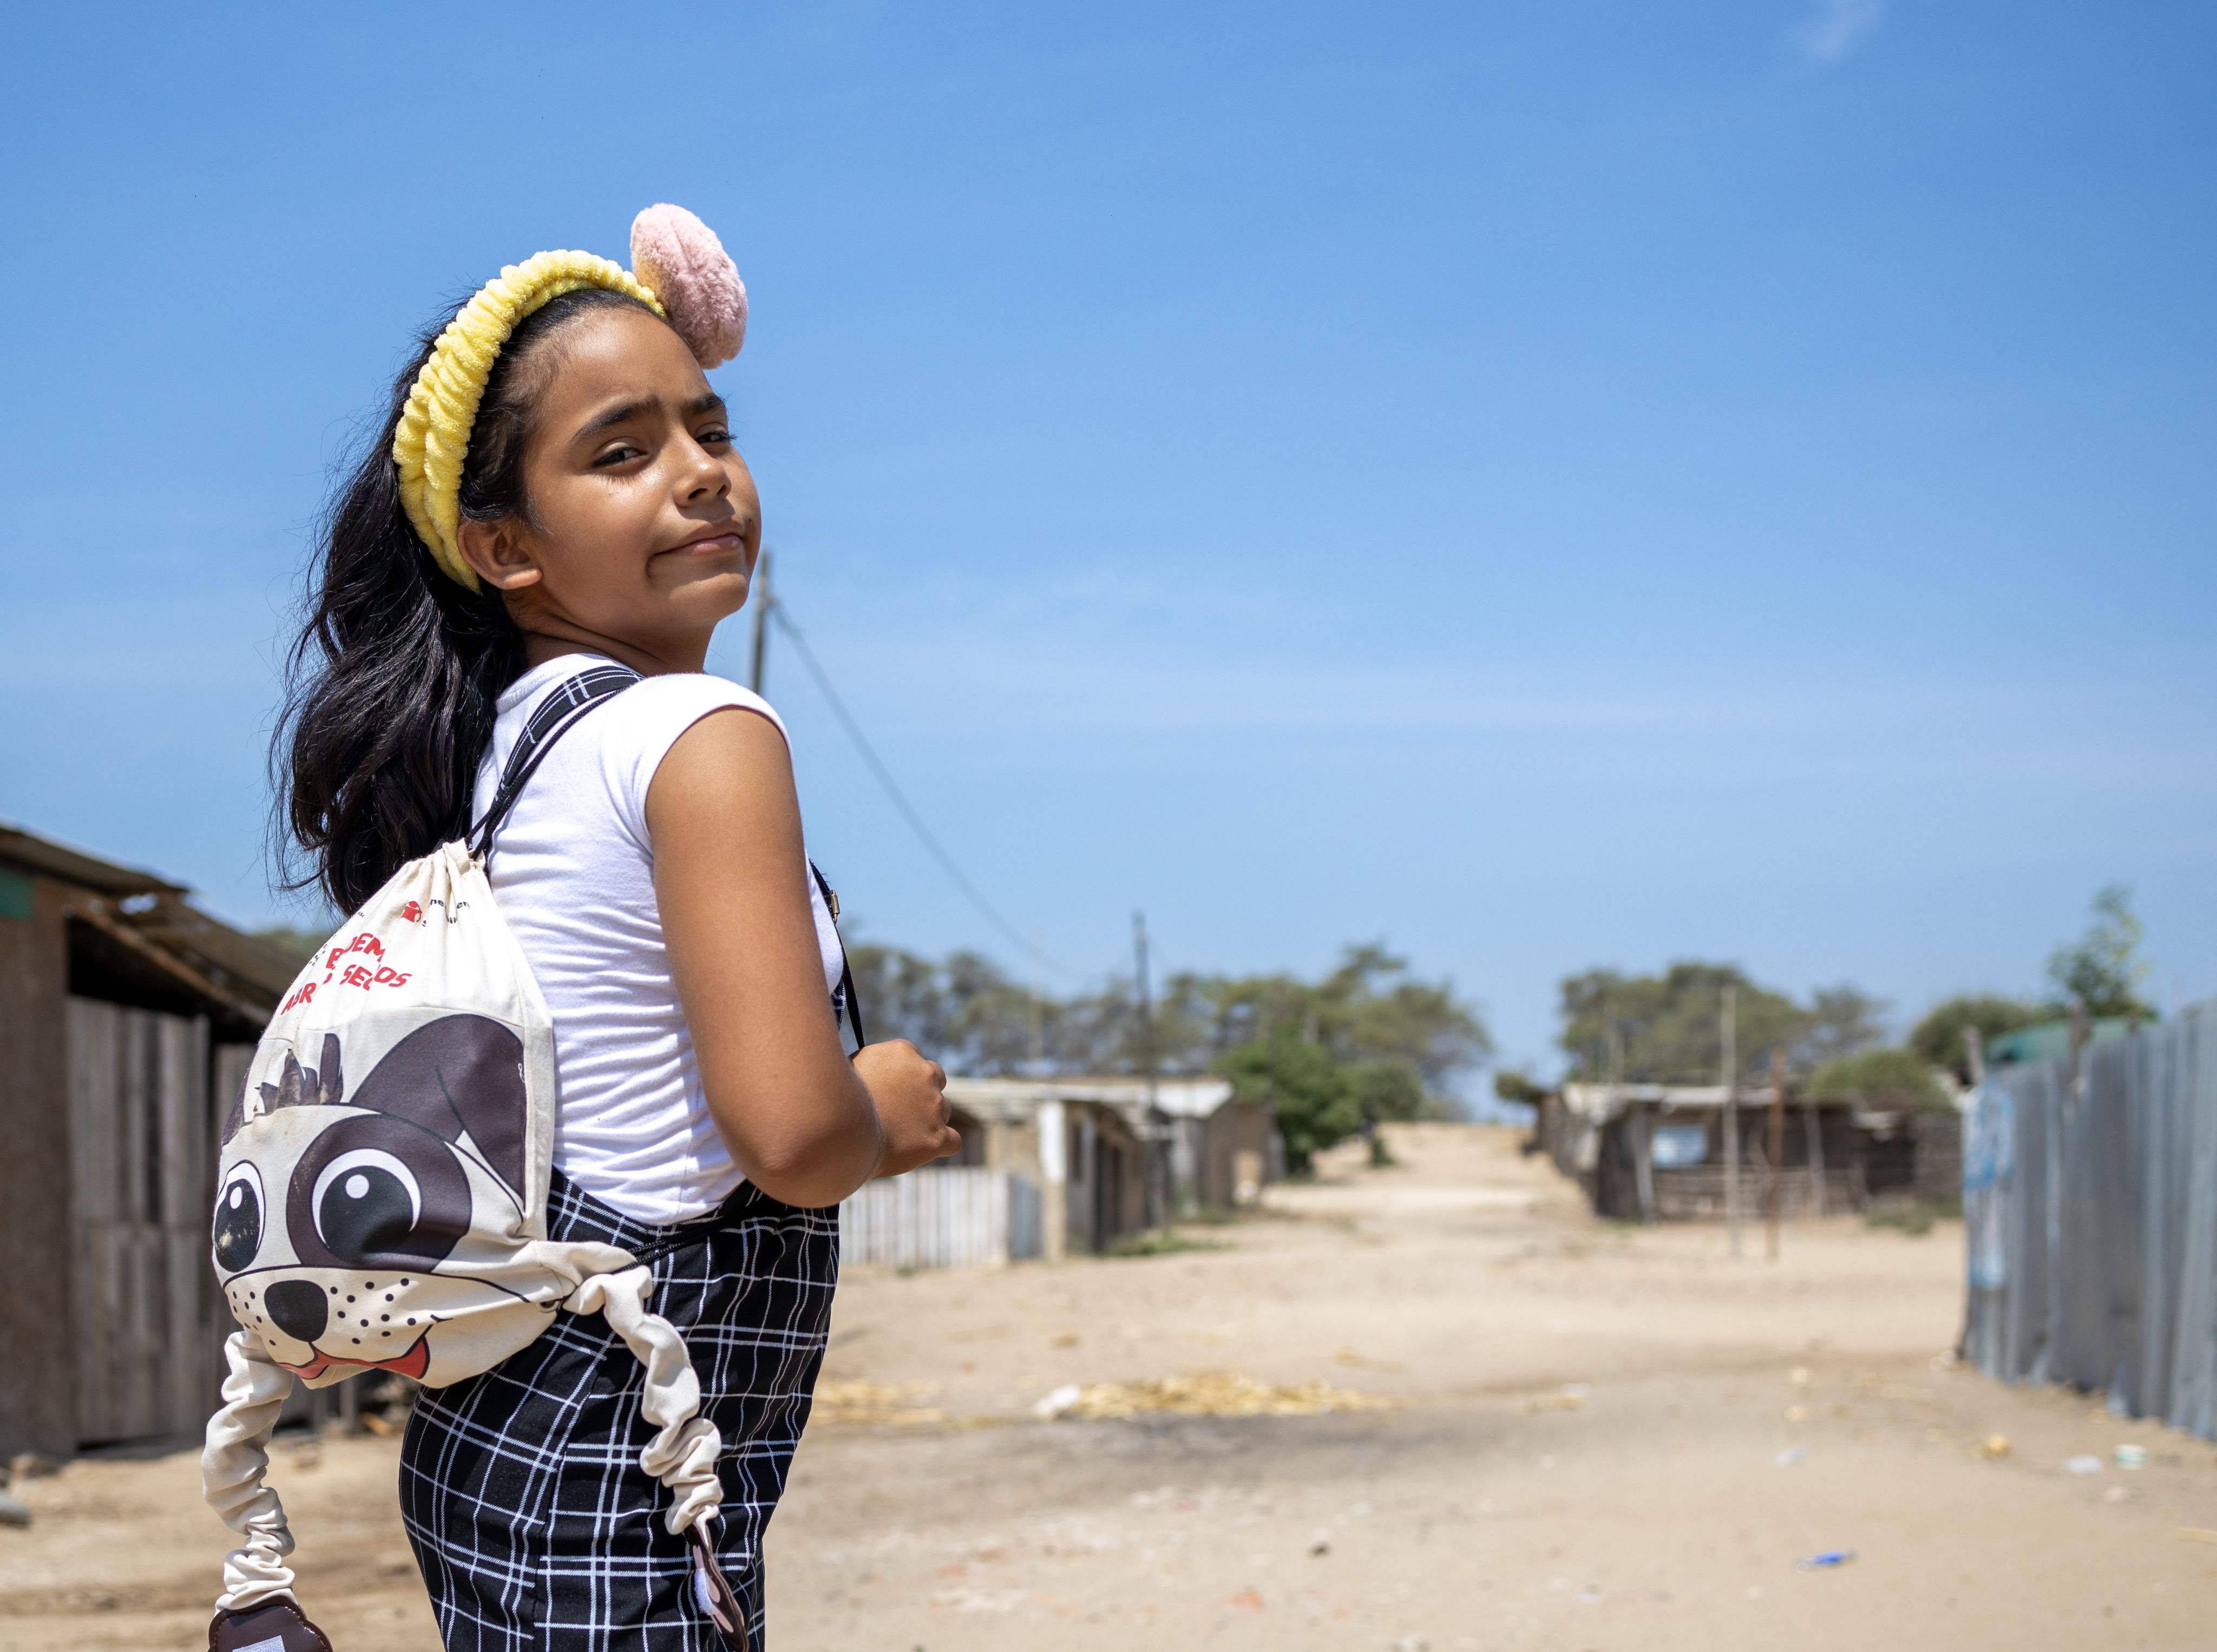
<point x="376" y="1191"/>
<point x="366" y="1203"/>
<point x="239" y="1208"/>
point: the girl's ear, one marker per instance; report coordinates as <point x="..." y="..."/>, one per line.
<point x="497" y="554"/>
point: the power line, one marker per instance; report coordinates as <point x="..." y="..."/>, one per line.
<point x="777" y="611"/>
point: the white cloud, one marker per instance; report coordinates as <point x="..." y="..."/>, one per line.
<point x="1836" y="27"/>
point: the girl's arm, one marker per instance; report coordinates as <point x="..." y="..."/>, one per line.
<point x="804" y="1123"/>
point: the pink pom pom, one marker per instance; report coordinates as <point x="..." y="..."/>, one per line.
<point x="680" y="257"/>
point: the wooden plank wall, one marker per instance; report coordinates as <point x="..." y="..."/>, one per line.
<point x="36" y="1310"/>
<point x="149" y="1323"/>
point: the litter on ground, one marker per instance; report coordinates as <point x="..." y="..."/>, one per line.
<point x="856" y="1401"/>
<point x="1210" y="1394"/>
<point x="1572" y="1397"/>
<point x="1830" y="1559"/>
<point x="1364" y="1362"/>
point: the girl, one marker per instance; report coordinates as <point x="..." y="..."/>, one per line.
<point x="586" y="506"/>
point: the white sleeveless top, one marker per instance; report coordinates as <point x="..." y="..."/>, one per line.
<point x="573" y="868"/>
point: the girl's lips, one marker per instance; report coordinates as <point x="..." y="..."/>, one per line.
<point x="708" y="543"/>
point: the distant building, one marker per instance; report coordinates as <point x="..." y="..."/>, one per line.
<point x="1224" y="1152"/>
<point x="1653" y="1152"/>
<point x="127" y="1019"/>
<point x="1108" y="1158"/>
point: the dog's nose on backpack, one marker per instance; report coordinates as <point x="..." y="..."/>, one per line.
<point x="298" y="1307"/>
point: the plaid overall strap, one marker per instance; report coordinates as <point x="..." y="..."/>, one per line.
<point x="555" y="716"/>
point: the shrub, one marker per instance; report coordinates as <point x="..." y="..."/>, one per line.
<point x="1896" y="1080"/>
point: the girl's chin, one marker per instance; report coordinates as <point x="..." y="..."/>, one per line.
<point x="705" y="586"/>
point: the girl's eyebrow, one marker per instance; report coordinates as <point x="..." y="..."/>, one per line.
<point x="707" y="402"/>
<point x="616" y="415"/>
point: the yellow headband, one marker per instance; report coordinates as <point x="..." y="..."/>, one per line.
<point x="433" y="437"/>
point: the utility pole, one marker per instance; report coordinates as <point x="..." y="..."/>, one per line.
<point x="1637" y="1122"/>
<point x="1039" y="1028"/>
<point x="1728" y="1037"/>
<point x="1161" y="1193"/>
<point x="1777" y="1178"/>
<point x="763" y="603"/>
<point x="1812" y="1132"/>
<point x="1146" y="1004"/>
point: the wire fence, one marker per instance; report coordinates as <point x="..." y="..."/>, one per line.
<point x="2089" y="1199"/>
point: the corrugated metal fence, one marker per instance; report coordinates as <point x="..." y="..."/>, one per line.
<point x="2089" y="1197"/>
<point x="953" y="1217"/>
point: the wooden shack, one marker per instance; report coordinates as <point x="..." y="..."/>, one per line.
<point x="1223" y="1151"/>
<point x="1099" y="1164"/>
<point x="1653" y="1152"/>
<point x="126" y="1017"/>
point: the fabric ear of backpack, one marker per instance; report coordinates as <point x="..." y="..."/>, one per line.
<point x="382" y="1196"/>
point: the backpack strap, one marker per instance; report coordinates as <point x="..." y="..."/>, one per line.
<point x="555" y="717"/>
<point x="848" y="1001"/>
<point x="232" y="1464"/>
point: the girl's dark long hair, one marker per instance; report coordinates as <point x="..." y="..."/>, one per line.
<point x="390" y="688"/>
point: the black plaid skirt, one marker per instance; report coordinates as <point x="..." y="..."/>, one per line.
<point x="534" y="1525"/>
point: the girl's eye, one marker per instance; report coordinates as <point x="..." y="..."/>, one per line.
<point x="622" y="453"/>
<point x="712" y="436"/>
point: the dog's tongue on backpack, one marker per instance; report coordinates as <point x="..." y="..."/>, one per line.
<point x="411" y="1363"/>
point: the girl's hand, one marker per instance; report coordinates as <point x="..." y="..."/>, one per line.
<point x="909" y="1092"/>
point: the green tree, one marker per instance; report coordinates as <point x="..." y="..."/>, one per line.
<point x="1386" y="1092"/>
<point x="1894" y="1080"/>
<point x="1938" y="1039"/>
<point x="967" y="1013"/>
<point x="1669" y="1023"/>
<point x="2101" y="970"/>
<point x="961" y="1011"/>
<point x="901" y="997"/>
<point x="1842" y="1020"/>
<point x="1513" y="1085"/>
<point x="1313" y="1095"/>
<point x="1391" y="1092"/>
<point x="989" y="1014"/>
<point x="1669" y="1026"/>
<point x="1370" y="1009"/>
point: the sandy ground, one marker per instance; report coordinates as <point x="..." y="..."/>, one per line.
<point x="1596" y="1438"/>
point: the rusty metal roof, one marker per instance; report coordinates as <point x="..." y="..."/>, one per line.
<point x="243" y="974"/>
<point x="37" y="854"/>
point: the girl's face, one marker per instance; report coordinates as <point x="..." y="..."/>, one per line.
<point x="644" y="524"/>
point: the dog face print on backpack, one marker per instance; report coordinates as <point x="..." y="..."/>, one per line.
<point x="350" y="1191"/>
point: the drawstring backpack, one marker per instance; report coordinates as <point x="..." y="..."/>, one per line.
<point x="381" y="1200"/>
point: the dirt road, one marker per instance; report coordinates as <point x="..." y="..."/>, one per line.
<point x="1551" y="1434"/>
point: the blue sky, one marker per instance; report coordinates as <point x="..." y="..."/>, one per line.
<point x="1544" y="486"/>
